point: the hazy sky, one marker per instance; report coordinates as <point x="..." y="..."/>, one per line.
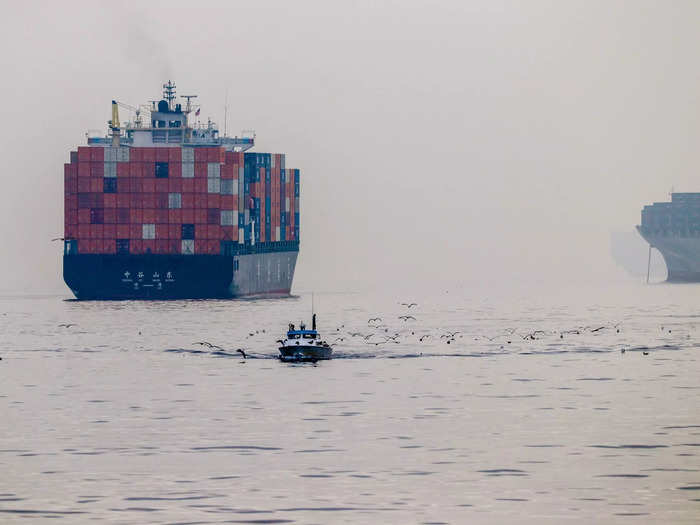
<point x="438" y="141"/>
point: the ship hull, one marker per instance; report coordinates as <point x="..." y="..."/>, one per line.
<point x="681" y="255"/>
<point x="160" y="277"/>
<point x="304" y="353"/>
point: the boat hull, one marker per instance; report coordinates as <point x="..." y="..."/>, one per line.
<point x="159" y="276"/>
<point x="303" y="353"/>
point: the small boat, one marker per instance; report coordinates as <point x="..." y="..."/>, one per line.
<point x="304" y="345"/>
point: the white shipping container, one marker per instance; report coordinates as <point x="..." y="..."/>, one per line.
<point x="240" y="234"/>
<point x="272" y="160"/>
<point x="277" y="233"/>
<point x="235" y="186"/>
<point x="174" y="200"/>
<point x="110" y="169"/>
<point x="187" y="155"/>
<point x="226" y="218"/>
<point x="110" y="154"/>
<point x="122" y="154"/>
<point x="214" y="185"/>
<point x="188" y="246"/>
<point x="149" y="231"/>
<point x="286" y="204"/>
<point x="213" y="170"/>
<point x="188" y="170"/>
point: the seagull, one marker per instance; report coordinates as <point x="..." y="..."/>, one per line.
<point x="365" y="337"/>
<point x="406" y="317"/>
<point x="58" y="239"/>
<point x="645" y="353"/>
<point x="423" y="337"/>
<point x="409" y="305"/>
<point x="374" y="319"/>
<point x="240" y="351"/>
<point x="622" y="350"/>
<point x="66" y="325"/>
<point x="338" y="339"/>
<point x="209" y="345"/>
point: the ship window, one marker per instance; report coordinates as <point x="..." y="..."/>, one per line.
<point x="122" y="245"/>
<point x="110" y="185"/>
<point x="188" y="231"/>
<point x="161" y="170"/>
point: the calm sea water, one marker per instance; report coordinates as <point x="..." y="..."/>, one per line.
<point x="121" y="418"/>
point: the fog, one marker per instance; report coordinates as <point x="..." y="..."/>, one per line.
<point x="450" y="142"/>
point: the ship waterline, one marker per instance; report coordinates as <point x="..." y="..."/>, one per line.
<point x="681" y="255"/>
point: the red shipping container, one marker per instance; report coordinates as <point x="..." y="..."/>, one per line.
<point x="135" y="155"/>
<point x="188" y="200"/>
<point x="149" y="216"/>
<point x="217" y="154"/>
<point x="70" y="184"/>
<point x="200" y="185"/>
<point x="97" y="169"/>
<point x="226" y="202"/>
<point x="83" y="169"/>
<point x="109" y="246"/>
<point x="175" y="216"/>
<point x="83" y="231"/>
<point x="162" y="231"/>
<point x="110" y="216"/>
<point x="148" y="185"/>
<point x="162" y="201"/>
<point x="187" y="216"/>
<point x="227" y="171"/>
<point x="148" y="170"/>
<point x="70" y="231"/>
<point x="200" y="216"/>
<point x="174" y="231"/>
<point x="83" y="184"/>
<point x="175" y="185"/>
<point x="123" y="231"/>
<point x="135" y="231"/>
<point x="135" y="216"/>
<point x="96" y="185"/>
<point x="200" y="245"/>
<point x="161" y="246"/>
<point x="124" y="185"/>
<point x="187" y="185"/>
<point x="135" y="170"/>
<point x="213" y="200"/>
<point x="122" y="200"/>
<point x="175" y="170"/>
<point x="201" y="155"/>
<point x="149" y="246"/>
<point x="123" y="169"/>
<point x="135" y="200"/>
<point x="214" y="232"/>
<point x="213" y="216"/>
<point x="96" y="231"/>
<point x="162" y="216"/>
<point x="97" y="154"/>
<point x="162" y="154"/>
<point x="148" y="154"/>
<point x="109" y="231"/>
<point x="162" y="185"/>
<point x="84" y="216"/>
<point x="136" y="185"/>
<point x="148" y="200"/>
<point x="84" y="153"/>
<point x="136" y="246"/>
<point x="123" y="216"/>
<point x="200" y="200"/>
<point x="214" y="247"/>
<point x="71" y="201"/>
<point x="71" y="217"/>
<point x="174" y="155"/>
<point x="174" y="246"/>
<point x="200" y="170"/>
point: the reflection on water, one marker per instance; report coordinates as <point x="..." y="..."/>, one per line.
<point x="476" y="410"/>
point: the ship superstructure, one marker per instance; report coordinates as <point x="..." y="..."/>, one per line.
<point x="168" y="208"/>
<point x="673" y="228"/>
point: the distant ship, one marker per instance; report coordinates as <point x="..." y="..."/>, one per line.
<point x="630" y="252"/>
<point x="673" y="228"/>
<point x="166" y="209"/>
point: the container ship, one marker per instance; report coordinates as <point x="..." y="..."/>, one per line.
<point x="167" y="208"/>
<point x="673" y="228"/>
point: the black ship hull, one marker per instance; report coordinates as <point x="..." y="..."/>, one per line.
<point x="303" y="353"/>
<point x="160" y="277"/>
<point x="681" y="254"/>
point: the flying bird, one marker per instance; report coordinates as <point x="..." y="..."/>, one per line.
<point x="209" y="345"/>
<point x="242" y="352"/>
<point x="409" y="305"/>
<point x="373" y="319"/>
<point x="66" y="325"/>
<point x="58" y="239"/>
<point x="406" y="317"/>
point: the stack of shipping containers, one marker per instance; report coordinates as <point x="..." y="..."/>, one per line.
<point x="178" y="200"/>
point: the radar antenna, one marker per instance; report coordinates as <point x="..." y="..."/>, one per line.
<point x="169" y="93"/>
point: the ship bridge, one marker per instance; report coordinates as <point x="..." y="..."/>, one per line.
<point x="168" y="125"/>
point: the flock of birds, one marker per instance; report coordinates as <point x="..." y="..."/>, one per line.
<point x="378" y="333"/>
